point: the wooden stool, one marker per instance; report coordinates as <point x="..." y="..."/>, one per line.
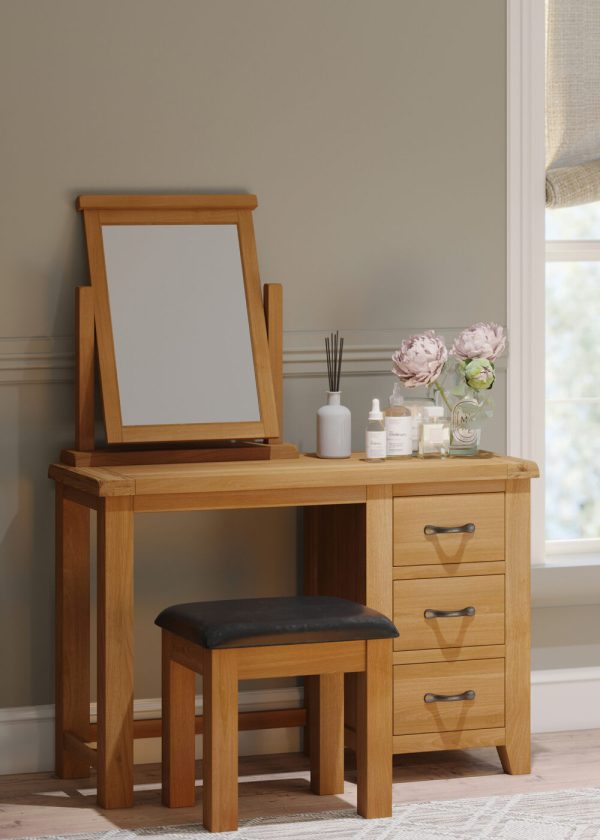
<point x="227" y="641"/>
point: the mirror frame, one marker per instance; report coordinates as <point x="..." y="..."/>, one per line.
<point x="99" y="210"/>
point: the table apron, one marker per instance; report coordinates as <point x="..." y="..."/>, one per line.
<point x="231" y="499"/>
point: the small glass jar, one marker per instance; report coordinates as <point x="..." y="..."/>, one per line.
<point x="416" y="408"/>
<point x="434" y="436"/>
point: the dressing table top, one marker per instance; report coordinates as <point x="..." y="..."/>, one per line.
<point x="307" y="471"/>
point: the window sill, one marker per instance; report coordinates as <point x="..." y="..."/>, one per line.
<point x="566" y="580"/>
<point x="569" y="561"/>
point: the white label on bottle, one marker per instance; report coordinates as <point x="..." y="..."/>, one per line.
<point x="398" y="432"/>
<point x="375" y="444"/>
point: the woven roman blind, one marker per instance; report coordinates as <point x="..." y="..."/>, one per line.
<point x="572" y="102"/>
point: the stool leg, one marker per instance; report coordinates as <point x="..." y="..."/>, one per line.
<point x="178" y="731"/>
<point x="327" y="734"/>
<point x="374" y="731"/>
<point x="220" y="756"/>
<point x="310" y="694"/>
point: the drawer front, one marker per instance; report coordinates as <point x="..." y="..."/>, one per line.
<point x="412" y="683"/>
<point x="484" y="542"/>
<point x="479" y="600"/>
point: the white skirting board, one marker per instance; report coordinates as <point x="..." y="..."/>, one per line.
<point x="565" y="699"/>
<point x="562" y="700"/>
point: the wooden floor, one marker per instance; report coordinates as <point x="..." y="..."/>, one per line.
<point x="38" y="804"/>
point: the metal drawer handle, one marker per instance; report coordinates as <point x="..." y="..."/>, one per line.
<point x="449" y="698"/>
<point x="469" y="528"/>
<point x="449" y="613"/>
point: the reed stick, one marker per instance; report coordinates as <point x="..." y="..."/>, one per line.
<point x="334" y="351"/>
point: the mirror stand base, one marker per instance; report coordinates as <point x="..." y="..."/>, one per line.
<point x="115" y="456"/>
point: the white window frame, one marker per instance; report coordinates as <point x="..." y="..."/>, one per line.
<point x="580" y="549"/>
<point x="563" y="573"/>
<point x="525" y="244"/>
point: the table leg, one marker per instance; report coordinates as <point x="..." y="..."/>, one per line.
<point x="72" y="634"/>
<point x="515" y="755"/>
<point x="115" y="652"/>
<point x="374" y="712"/>
<point x="379" y="550"/>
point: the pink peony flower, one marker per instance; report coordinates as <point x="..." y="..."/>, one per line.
<point x="420" y="359"/>
<point x="484" y="340"/>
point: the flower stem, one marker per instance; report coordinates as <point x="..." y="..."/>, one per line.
<point x="443" y="396"/>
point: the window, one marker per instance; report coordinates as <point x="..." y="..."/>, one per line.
<point x="572" y="518"/>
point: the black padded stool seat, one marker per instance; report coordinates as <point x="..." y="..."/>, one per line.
<point x="258" y="622"/>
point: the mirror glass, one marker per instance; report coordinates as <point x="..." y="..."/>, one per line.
<point x="180" y="326"/>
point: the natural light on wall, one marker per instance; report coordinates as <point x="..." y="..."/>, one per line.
<point x="573" y="378"/>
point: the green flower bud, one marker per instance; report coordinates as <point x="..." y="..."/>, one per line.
<point x="480" y="374"/>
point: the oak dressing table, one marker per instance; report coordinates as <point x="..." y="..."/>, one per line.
<point x="364" y="539"/>
<point x="391" y="535"/>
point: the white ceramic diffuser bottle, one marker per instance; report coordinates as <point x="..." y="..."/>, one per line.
<point x="333" y="428"/>
<point x="333" y="419"/>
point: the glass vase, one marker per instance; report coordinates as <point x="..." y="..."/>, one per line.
<point x="465" y="426"/>
<point x="467" y="410"/>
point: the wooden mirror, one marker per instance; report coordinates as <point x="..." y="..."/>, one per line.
<point x="180" y="326"/>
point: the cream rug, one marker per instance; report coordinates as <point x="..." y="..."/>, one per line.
<point x="558" y="815"/>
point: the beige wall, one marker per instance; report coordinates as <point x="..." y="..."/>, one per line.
<point x="373" y="133"/>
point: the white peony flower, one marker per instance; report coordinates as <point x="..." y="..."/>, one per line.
<point x="484" y="340"/>
<point x="420" y="359"/>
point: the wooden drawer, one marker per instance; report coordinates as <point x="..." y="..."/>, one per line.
<point x="412" y="547"/>
<point x="412" y="715"/>
<point x="412" y="598"/>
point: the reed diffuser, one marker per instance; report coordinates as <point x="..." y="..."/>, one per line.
<point x="333" y="419"/>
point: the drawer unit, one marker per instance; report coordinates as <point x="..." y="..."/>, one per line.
<point x="444" y="550"/>
<point x="461" y="528"/>
<point x="449" y="612"/>
<point x="448" y="696"/>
